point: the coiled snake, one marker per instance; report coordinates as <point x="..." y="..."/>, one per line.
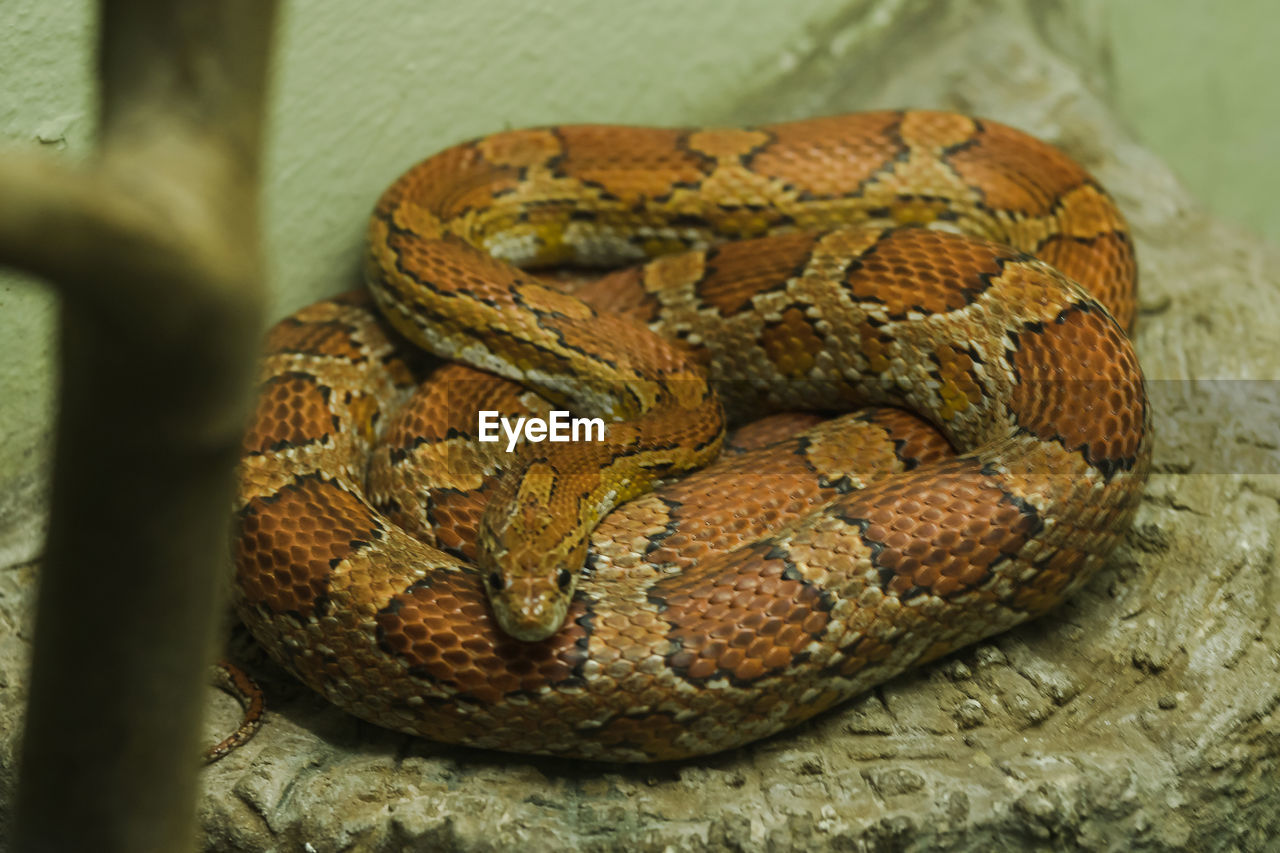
<point x="692" y="626"/>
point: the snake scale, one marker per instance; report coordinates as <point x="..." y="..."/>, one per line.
<point x="908" y="261"/>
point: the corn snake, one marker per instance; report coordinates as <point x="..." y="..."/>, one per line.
<point x="1031" y="379"/>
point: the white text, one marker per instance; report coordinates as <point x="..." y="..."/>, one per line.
<point x="560" y="426"/>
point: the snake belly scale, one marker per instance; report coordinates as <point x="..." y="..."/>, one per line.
<point x="948" y="266"/>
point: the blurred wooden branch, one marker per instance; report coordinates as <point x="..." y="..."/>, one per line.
<point x="154" y="249"/>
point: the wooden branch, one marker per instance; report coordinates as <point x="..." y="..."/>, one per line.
<point x="154" y="248"/>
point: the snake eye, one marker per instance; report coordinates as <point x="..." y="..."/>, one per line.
<point x="495" y="581"/>
<point x="564" y="578"/>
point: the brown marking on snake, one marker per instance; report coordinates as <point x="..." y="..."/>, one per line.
<point x="448" y="267"/>
<point x="292" y="410"/>
<point x="522" y="148"/>
<point x="1104" y="264"/>
<point x="915" y="442"/>
<point x="443" y="631"/>
<point x="1095" y="405"/>
<point x="455" y="518"/>
<point x="448" y="405"/>
<point x="998" y="161"/>
<point x="914" y="269"/>
<point x="460" y="182"/>
<point x="606" y="157"/>
<point x="942" y="535"/>
<point x="769" y="429"/>
<point x="838" y="155"/>
<point x="419" y="421"/>
<point x="544" y="300"/>
<point x="332" y="338"/>
<point x="732" y="279"/>
<point x="625" y="292"/>
<point x="289" y="543"/>
<point x="763" y="616"/>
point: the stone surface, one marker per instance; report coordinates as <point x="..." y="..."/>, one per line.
<point x="1142" y="715"/>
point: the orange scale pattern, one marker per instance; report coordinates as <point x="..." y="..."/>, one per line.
<point x="795" y="571"/>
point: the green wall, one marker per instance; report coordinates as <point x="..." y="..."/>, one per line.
<point x="359" y="99"/>
<point x="363" y="88"/>
<point x="1197" y="81"/>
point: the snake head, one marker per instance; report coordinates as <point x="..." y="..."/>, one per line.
<point x="531" y="555"/>
<point x="530" y="607"/>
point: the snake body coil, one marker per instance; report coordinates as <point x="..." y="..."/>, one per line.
<point x="696" y="627"/>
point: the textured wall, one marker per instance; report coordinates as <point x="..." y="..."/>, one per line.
<point x="46" y="92"/>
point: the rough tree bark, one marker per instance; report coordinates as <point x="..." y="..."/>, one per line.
<point x="154" y="249"/>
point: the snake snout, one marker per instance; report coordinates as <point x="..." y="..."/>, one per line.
<point x="529" y="609"/>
